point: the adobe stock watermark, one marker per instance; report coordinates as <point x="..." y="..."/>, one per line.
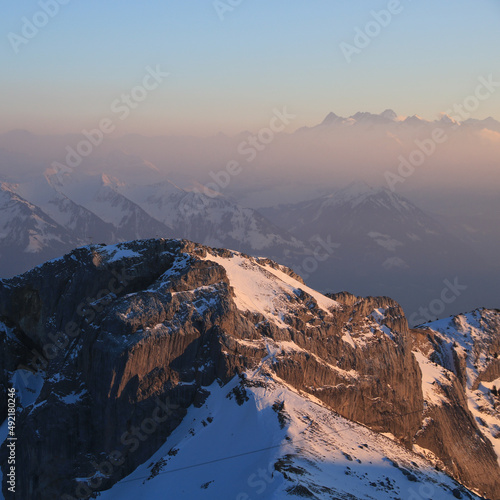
<point x="249" y="149"/>
<point x="11" y="439"/>
<point x="31" y="27"/>
<point x="258" y="482"/>
<point x="222" y="7"/>
<point x="323" y="251"/>
<point x="425" y="492"/>
<point x="363" y="37"/>
<point x="450" y="293"/>
<point x="427" y="147"/>
<point x="122" y="107"/>
<point x="131" y="439"/>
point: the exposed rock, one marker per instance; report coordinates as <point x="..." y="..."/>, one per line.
<point x="132" y="332"/>
<point x="460" y="353"/>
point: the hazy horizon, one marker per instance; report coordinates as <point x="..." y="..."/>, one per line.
<point x="230" y="63"/>
<point x="314" y="121"/>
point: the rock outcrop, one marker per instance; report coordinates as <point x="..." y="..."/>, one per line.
<point x="461" y="424"/>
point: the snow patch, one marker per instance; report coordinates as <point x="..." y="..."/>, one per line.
<point x="265" y="290"/>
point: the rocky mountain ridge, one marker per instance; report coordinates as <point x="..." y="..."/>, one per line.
<point x="110" y="337"/>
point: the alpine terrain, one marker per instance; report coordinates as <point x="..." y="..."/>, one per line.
<point x="163" y="368"/>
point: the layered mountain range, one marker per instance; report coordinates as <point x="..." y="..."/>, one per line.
<point x="45" y="214"/>
<point x="168" y="367"/>
<point x="407" y="242"/>
<point x="370" y="240"/>
<point x="379" y="230"/>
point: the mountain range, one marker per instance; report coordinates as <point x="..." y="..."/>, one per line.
<point x="389" y="116"/>
<point x="385" y="244"/>
<point x="363" y="238"/>
<point x="67" y="210"/>
<point x="294" y="203"/>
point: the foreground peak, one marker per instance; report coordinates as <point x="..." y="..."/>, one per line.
<point x="170" y="323"/>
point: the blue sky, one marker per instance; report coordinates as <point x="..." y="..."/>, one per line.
<point x="228" y="75"/>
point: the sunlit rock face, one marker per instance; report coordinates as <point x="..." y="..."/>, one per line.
<point x="109" y="336"/>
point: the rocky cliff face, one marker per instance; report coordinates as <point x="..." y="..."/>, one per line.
<point x="461" y="426"/>
<point x="111" y="345"/>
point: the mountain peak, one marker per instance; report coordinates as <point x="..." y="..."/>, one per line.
<point x="489" y="123"/>
<point x="243" y="360"/>
<point x="355" y="189"/>
<point x="363" y="115"/>
<point x="414" y="120"/>
<point x="366" y="117"/>
<point x="446" y="119"/>
<point x="389" y="114"/>
<point x="359" y="192"/>
<point x="331" y="118"/>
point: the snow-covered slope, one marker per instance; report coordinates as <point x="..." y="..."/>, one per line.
<point x="80" y="222"/>
<point x="98" y="194"/>
<point x="389" y="120"/>
<point x="359" y="210"/>
<point x="262" y="289"/>
<point x="132" y="200"/>
<point x="24" y="225"/>
<point x="259" y="438"/>
<point x="210" y="218"/>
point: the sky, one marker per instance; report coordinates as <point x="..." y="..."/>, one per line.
<point x="232" y="62"/>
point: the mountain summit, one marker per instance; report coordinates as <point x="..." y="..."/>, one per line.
<point x="165" y="365"/>
<point x="381" y="237"/>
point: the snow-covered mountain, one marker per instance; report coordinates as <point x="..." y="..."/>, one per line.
<point x="384" y="229"/>
<point x="28" y="231"/>
<point x="129" y="189"/>
<point x="373" y="240"/>
<point x="392" y="121"/>
<point x="385" y="243"/>
<point x="210" y="218"/>
<point x="98" y="195"/>
<point x="357" y="208"/>
<point x="81" y="224"/>
<point x="207" y="373"/>
<point x="99" y="207"/>
<point x="361" y="119"/>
